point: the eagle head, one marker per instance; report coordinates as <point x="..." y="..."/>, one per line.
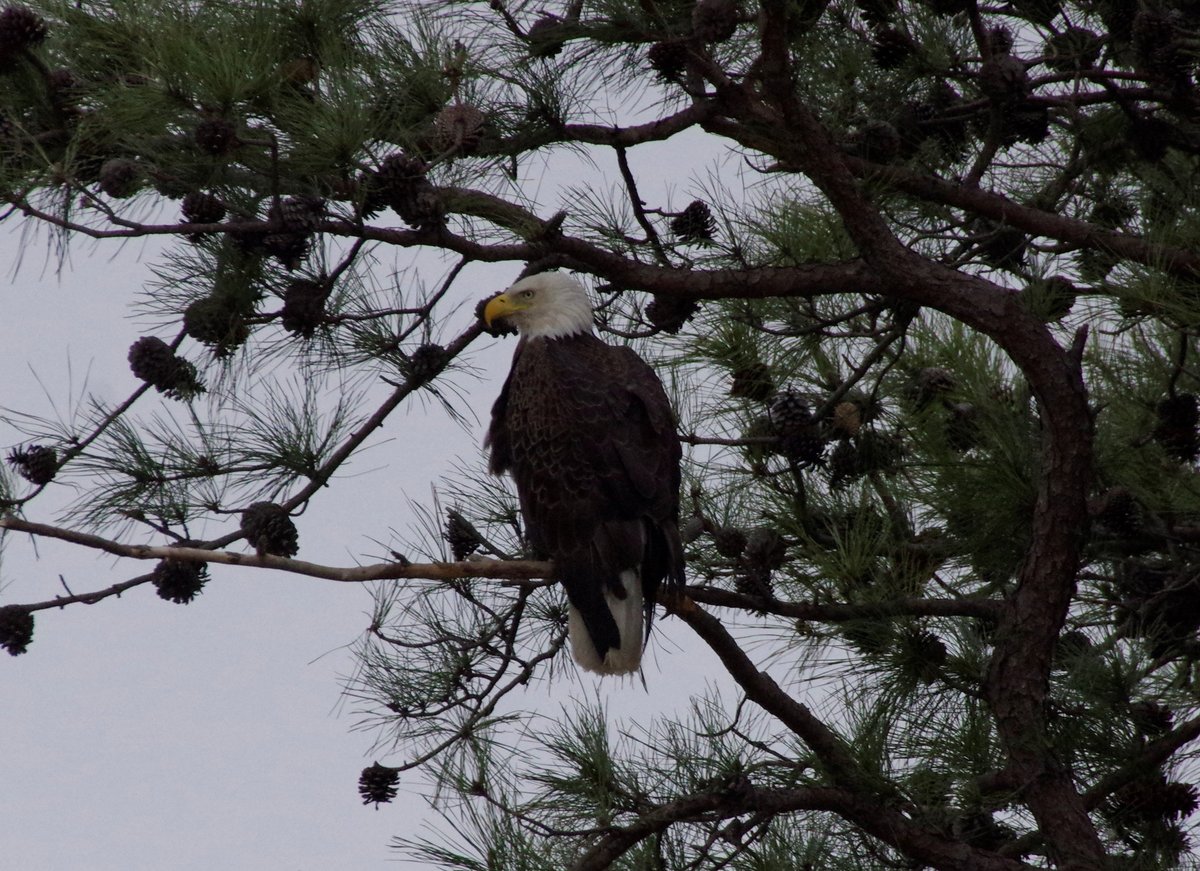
<point x="547" y="305"/>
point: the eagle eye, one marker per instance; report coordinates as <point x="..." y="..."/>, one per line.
<point x="526" y="294"/>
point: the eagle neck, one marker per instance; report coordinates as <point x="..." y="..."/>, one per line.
<point x="562" y="327"/>
<point x="559" y="335"/>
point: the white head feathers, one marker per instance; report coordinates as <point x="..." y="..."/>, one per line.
<point x="547" y="305"/>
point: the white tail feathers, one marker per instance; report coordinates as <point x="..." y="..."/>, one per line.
<point x="630" y="621"/>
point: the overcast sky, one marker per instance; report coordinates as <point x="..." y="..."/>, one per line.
<point x="138" y="734"/>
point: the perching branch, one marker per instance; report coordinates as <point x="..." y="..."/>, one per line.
<point x="496" y="569"/>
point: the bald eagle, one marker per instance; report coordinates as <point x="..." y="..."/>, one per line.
<point x="587" y="433"/>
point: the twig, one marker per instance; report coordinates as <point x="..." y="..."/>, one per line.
<point x="635" y="201"/>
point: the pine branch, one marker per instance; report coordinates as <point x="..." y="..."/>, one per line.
<point x="707" y="807"/>
<point x="983" y="609"/>
<point x="495" y="569"/>
<point x="1036" y="222"/>
<point x="744" y="798"/>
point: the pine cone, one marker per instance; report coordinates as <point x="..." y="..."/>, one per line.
<point x="877" y="451"/>
<point x="694" y="224"/>
<point x="925" y="653"/>
<point x="304" y="306"/>
<point x="1150" y="137"/>
<point x="1153" y="799"/>
<point x="756" y="454"/>
<point x="949" y="7"/>
<point x="1001" y="245"/>
<point x="980" y="829"/>
<point x="1074" y="49"/>
<point x="790" y="411"/>
<point x="843" y="464"/>
<point x="545" y="37"/>
<point x="892" y="47"/>
<point x="400" y="183"/>
<point x="1000" y="39"/>
<point x="1004" y="80"/>
<point x="950" y="132"/>
<point x="120" y="178"/>
<point x="1156" y="43"/>
<point x="729" y="541"/>
<point x="377" y="784"/>
<point x="289" y="249"/>
<point x="1152" y="719"/>
<point x="64" y="88"/>
<point x="462" y="536"/>
<point x="37" y="464"/>
<point x="301" y="214"/>
<point x="1027" y="122"/>
<point x="752" y="382"/>
<point x="296" y="217"/>
<point x="16" y="629"/>
<point x="269" y="529"/>
<point x="714" y="20"/>
<point x="1176" y="430"/>
<point x="877" y="141"/>
<point x="670" y="313"/>
<point x="846" y="419"/>
<point x="929" y="384"/>
<point x="765" y="548"/>
<point x="754" y="580"/>
<point x="153" y="361"/>
<point x="400" y="175"/>
<point x="877" y="12"/>
<point x="216" y="321"/>
<point x="913" y="121"/>
<point x="1071" y="645"/>
<point x="668" y="59"/>
<point x="458" y="128"/>
<point x="962" y="426"/>
<point x="805" y="445"/>
<point x="1050" y="299"/>
<point x="20" y="27"/>
<point x="425" y="211"/>
<point x="215" y="136"/>
<point x="426" y="362"/>
<point x="179" y="581"/>
<point x="250" y="238"/>
<point x="199" y="207"/>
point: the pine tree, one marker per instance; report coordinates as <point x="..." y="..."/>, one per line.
<point x="932" y="347"/>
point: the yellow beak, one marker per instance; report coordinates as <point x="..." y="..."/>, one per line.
<point x="499" y="307"/>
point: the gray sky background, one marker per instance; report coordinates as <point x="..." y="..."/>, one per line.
<point x="138" y="734"/>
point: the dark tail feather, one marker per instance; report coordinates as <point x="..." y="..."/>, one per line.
<point x="663" y="562"/>
<point x="587" y="597"/>
<point x="585" y="584"/>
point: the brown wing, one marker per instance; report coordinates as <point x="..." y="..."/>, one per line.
<point x="589" y="438"/>
<point x="497" y="438"/>
<point x="586" y="430"/>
